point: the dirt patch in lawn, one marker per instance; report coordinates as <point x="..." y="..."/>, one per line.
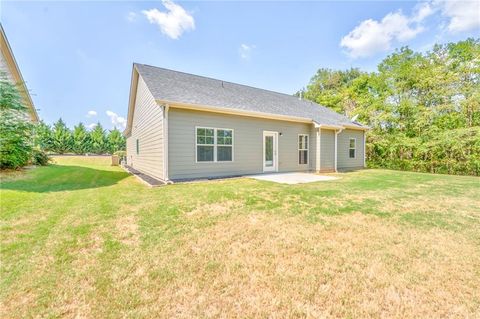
<point x="214" y="209"/>
<point x="127" y="230"/>
<point x="8" y="175"/>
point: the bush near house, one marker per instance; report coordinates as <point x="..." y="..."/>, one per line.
<point x="16" y="131"/>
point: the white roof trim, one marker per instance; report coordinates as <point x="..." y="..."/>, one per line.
<point x="224" y="110"/>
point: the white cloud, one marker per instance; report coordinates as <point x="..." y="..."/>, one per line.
<point x="422" y="11"/>
<point x="372" y="36"/>
<point x="173" y="22"/>
<point x="132" y="16"/>
<point x="91" y="113"/>
<point x="92" y="125"/>
<point x="117" y="121"/>
<point x="462" y="15"/>
<point x="245" y="51"/>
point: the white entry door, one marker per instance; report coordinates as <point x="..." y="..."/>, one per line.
<point x="270" y="152"/>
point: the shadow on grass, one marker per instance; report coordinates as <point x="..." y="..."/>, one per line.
<point x="58" y="178"/>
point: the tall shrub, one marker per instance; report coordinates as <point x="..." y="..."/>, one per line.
<point x="15" y="127"/>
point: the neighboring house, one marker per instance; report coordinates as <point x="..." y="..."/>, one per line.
<point x="183" y="126"/>
<point x="8" y="66"/>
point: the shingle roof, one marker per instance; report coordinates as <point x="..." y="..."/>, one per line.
<point x="187" y="88"/>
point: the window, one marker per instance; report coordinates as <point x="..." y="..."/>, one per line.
<point x="205" y="144"/>
<point x="352" y="146"/>
<point x="224" y="145"/>
<point x="214" y="144"/>
<point x="138" y="146"/>
<point x="302" y="149"/>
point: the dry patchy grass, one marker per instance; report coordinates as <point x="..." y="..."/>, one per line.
<point x="356" y="266"/>
<point x="88" y="241"/>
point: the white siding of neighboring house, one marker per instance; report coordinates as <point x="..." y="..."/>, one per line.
<point x="147" y="127"/>
<point x="6" y="72"/>
<point x="343" y="160"/>
<point x="4" y="68"/>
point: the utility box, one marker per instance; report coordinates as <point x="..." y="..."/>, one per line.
<point x="115" y="160"/>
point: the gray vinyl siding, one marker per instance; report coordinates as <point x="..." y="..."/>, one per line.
<point x="327" y="150"/>
<point x="147" y="127"/>
<point x="343" y="160"/>
<point x="248" y="144"/>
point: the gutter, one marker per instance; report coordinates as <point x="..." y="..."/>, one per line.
<point x="328" y="126"/>
<point x="217" y="109"/>
<point x="356" y="127"/>
<point x="224" y="110"/>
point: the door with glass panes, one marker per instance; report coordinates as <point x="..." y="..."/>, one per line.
<point x="270" y="151"/>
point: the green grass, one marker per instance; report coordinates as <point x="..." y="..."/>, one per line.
<point x="81" y="238"/>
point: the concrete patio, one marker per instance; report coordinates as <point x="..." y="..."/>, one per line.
<point x="292" y="178"/>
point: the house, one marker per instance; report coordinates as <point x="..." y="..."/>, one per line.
<point x="9" y="68"/>
<point x="183" y="126"/>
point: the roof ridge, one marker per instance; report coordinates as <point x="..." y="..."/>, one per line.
<point x="210" y="78"/>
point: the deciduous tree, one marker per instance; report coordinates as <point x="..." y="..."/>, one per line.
<point x="424" y="108"/>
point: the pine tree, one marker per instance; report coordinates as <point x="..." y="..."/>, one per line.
<point x="116" y="141"/>
<point x="81" y="139"/>
<point x="62" y="138"/>
<point x="43" y="136"/>
<point x="98" y="140"/>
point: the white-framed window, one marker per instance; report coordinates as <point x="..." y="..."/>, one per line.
<point x="302" y="148"/>
<point x="213" y="144"/>
<point x="352" y="148"/>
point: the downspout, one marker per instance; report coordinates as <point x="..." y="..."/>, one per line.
<point x="318" y="151"/>
<point x="165" y="144"/>
<point x="364" y="149"/>
<point x="336" y="140"/>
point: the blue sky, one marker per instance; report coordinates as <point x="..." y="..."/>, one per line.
<point x="76" y="57"/>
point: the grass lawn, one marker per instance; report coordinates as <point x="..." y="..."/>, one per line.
<point x="82" y="239"/>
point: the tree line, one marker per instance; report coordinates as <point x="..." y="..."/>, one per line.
<point x="23" y="142"/>
<point x="60" y="139"/>
<point x="423" y="107"/>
